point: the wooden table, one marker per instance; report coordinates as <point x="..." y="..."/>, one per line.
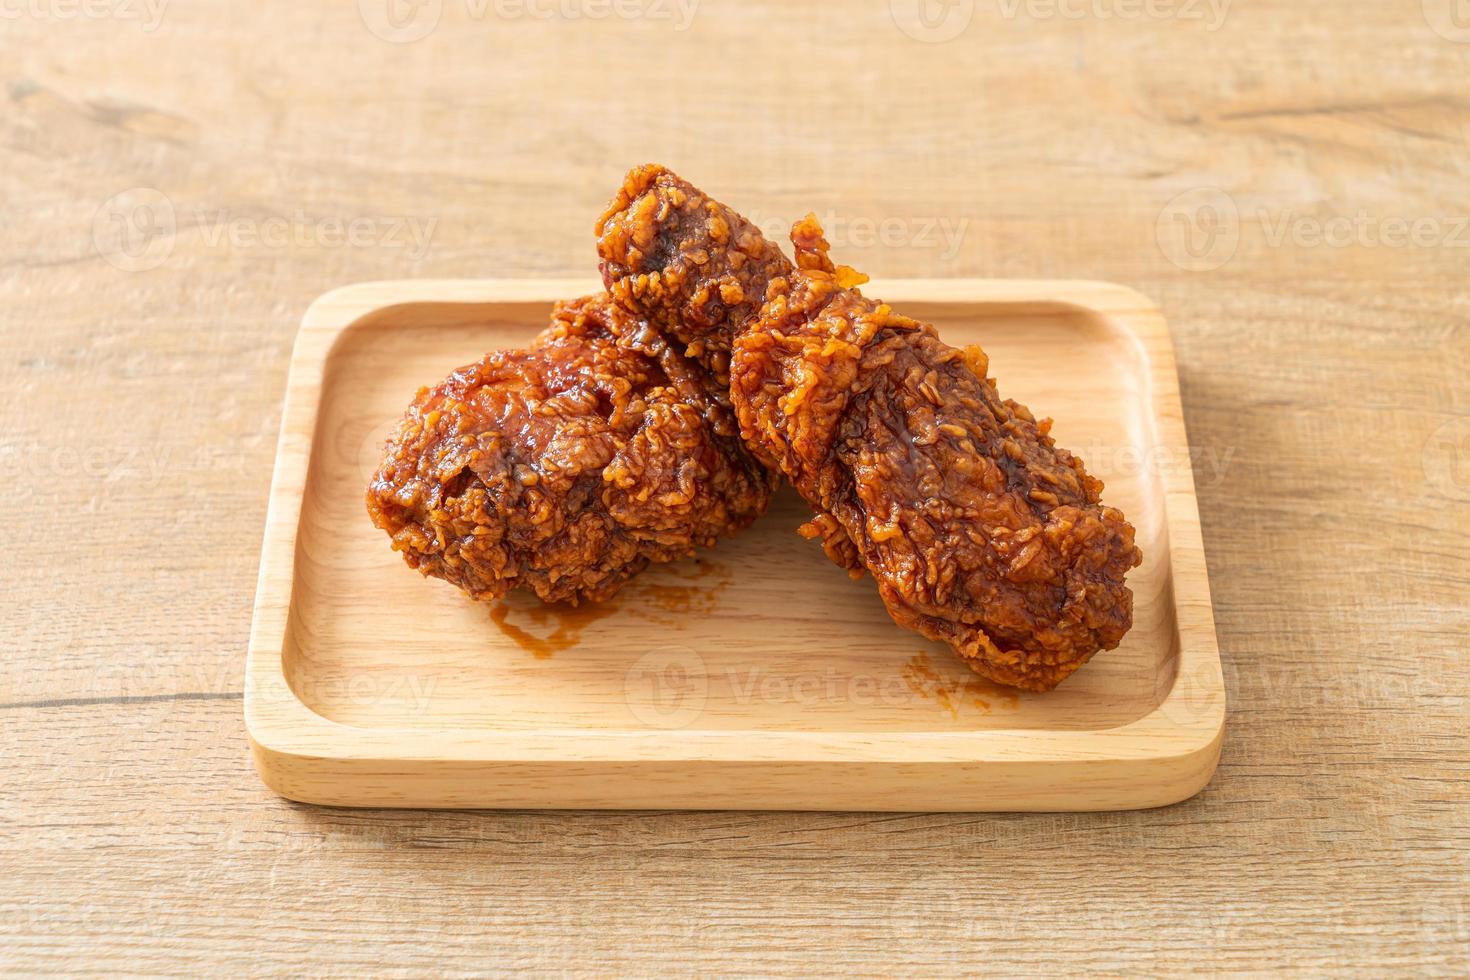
<point x="1289" y="181"/>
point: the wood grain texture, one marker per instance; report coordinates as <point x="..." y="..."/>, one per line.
<point x="1324" y="387"/>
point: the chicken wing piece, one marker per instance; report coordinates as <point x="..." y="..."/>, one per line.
<point x="979" y="530"/>
<point x="567" y="467"/>
<point x="693" y="268"/>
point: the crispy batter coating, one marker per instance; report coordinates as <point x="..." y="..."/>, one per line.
<point x="695" y="269"/>
<point x="568" y="467"/>
<point x="979" y="530"/>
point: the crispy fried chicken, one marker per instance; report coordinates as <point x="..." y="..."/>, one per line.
<point x="567" y="467"/>
<point x="693" y="268"/>
<point x="978" y="529"/>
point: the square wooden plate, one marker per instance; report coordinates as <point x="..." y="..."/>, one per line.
<point x="757" y="676"/>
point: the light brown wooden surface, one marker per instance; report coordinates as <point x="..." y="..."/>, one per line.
<point x="1324" y="385"/>
<point x="749" y="677"/>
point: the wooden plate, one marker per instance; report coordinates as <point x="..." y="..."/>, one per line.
<point x="757" y="676"/>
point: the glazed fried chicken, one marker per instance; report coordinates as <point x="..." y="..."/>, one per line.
<point x="977" y="528"/>
<point x="693" y="268"/>
<point x="567" y="467"/>
<point x="980" y="531"/>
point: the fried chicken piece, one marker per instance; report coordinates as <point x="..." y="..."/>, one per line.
<point x="567" y="467"/>
<point x="978" y="529"/>
<point x="693" y="268"/>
